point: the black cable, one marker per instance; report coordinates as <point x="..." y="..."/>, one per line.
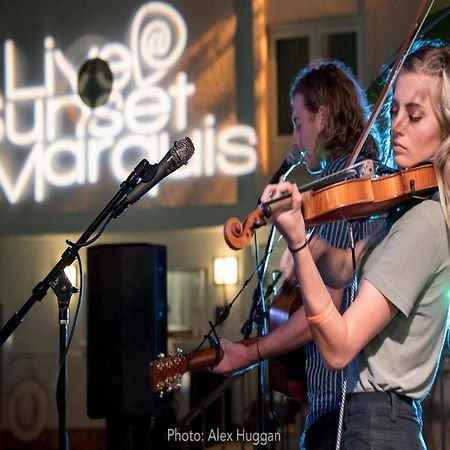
<point x="91" y="241"/>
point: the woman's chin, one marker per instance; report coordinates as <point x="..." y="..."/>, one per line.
<point x="401" y="162"/>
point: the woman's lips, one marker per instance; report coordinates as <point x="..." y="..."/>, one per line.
<point x="398" y="148"/>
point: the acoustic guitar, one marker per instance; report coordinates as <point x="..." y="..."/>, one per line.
<point x="287" y="371"/>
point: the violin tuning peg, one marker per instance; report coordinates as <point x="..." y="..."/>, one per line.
<point x="161" y="355"/>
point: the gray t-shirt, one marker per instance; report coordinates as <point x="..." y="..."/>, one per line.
<point x="411" y="268"/>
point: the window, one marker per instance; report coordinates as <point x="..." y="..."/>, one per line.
<point x="186" y="299"/>
<point x="292" y="53"/>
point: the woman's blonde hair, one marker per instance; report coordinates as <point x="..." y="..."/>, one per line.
<point x="434" y="61"/>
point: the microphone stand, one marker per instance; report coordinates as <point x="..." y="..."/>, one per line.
<point x="259" y="315"/>
<point x="57" y="280"/>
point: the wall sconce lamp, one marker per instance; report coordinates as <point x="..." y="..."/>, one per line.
<point x="225" y="270"/>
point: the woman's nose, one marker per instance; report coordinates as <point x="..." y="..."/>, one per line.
<point x="397" y="125"/>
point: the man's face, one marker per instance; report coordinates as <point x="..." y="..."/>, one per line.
<point x="307" y="126"/>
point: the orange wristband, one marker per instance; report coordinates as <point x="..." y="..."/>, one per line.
<point x="318" y="318"/>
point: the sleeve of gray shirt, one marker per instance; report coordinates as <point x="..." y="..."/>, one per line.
<point x="404" y="262"/>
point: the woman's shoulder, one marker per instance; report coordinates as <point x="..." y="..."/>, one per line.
<point x="425" y="217"/>
<point x="429" y="210"/>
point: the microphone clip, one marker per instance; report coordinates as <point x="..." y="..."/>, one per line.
<point x="149" y="173"/>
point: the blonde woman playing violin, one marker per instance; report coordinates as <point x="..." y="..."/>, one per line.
<point x="329" y="113"/>
<point x="395" y="329"/>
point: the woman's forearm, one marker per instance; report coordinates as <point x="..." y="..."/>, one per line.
<point x="331" y="334"/>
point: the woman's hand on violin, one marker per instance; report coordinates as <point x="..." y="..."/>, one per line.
<point x="235" y="357"/>
<point x="289" y="223"/>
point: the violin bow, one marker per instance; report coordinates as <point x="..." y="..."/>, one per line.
<point x="413" y="32"/>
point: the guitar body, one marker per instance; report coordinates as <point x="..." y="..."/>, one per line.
<point x="287" y="372"/>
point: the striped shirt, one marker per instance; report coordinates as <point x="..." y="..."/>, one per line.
<point x="323" y="386"/>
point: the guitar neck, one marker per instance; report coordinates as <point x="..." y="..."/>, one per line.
<point x="166" y="372"/>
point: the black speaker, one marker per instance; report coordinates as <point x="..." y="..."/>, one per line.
<point x="126" y="328"/>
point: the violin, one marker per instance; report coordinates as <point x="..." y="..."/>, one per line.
<point x="345" y="200"/>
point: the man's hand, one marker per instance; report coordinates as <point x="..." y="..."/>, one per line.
<point x="236" y="357"/>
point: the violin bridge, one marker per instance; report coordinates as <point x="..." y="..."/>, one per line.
<point x="366" y="169"/>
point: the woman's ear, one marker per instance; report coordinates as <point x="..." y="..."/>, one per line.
<point x="323" y="117"/>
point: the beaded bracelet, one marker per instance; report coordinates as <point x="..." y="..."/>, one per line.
<point x="295" y="250"/>
<point x="319" y="318"/>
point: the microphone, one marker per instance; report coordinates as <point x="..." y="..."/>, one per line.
<point x="293" y="157"/>
<point x="178" y="155"/>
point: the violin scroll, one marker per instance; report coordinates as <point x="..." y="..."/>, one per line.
<point x="239" y="234"/>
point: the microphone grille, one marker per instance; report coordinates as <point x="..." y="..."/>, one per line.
<point x="185" y="149"/>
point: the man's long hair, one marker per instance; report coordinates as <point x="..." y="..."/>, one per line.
<point x="331" y="84"/>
